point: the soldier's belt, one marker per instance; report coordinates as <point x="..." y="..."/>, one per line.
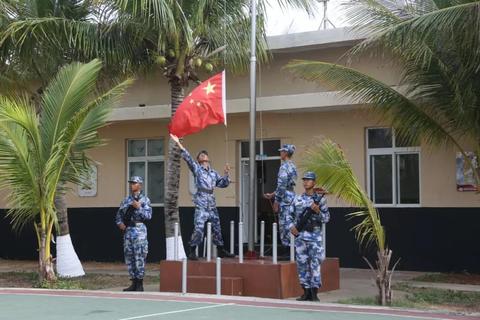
<point x="133" y="223"/>
<point x="205" y="190"/>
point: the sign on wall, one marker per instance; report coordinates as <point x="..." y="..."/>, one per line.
<point x="89" y="187"/>
<point x="464" y="172"/>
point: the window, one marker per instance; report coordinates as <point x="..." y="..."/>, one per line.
<point x="145" y="158"/>
<point x="268" y="148"/>
<point x="393" y="169"/>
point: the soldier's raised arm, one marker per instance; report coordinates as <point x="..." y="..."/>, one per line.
<point x="192" y="164"/>
<point x="223" y="181"/>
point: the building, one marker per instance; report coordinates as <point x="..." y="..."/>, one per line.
<point x="429" y="224"/>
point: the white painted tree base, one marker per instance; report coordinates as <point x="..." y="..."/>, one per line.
<point x="171" y="251"/>
<point x="68" y="264"/>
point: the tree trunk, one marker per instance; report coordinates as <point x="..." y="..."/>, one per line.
<point x="46" y="271"/>
<point x="62" y="214"/>
<point x="68" y="264"/>
<point x="173" y="179"/>
<point x="384" y="277"/>
<point x="173" y="167"/>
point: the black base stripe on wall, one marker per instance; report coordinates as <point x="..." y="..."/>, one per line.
<point x="426" y="239"/>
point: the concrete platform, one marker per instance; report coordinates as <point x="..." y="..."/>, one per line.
<point x="257" y="278"/>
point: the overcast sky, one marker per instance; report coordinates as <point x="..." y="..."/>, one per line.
<point x="280" y="22"/>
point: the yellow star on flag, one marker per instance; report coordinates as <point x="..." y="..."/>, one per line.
<point x="209" y="88"/>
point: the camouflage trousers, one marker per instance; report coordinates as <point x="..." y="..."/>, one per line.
<point x="203" y="215"/>
<point x="135" y="249"/>
<point x="283" y="230"/>
<point x="309" y="256"/>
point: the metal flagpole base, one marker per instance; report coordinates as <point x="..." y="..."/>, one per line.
<point x="251" y="255"/>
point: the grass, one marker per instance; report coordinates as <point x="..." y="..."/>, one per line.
<point x="460" y="278"/>
<point x="427" y="298"/>
<point x="87" y="282"/>
<point x="372" y="301"/>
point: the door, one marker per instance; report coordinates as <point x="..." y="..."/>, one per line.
<point x="267" y="165"/>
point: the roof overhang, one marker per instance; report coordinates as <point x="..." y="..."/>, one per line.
<point x="312" y="40"/>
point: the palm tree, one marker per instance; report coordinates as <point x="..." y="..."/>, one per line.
<point x="185" y="39"/>
<point x="202" y="35"/>
<point x="335" y="174"/>
<point x="436" y="43"/>
<point x="37" y="38"/>
<point x="41" y="152"/>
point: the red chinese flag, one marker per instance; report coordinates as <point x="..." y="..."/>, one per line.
<point x="204" y="106"/>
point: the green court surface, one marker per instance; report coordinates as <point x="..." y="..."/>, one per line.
<point x="73" y="305"/>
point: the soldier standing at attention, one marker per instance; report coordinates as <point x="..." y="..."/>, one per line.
<point x="133" y="211"/>
<point x="307" y="213"/>
<point x="284" y="194"/>
<point x="206" y="179"/>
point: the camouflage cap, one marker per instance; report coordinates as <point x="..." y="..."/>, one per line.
<point x="309" y="175"/>
<point x="289" y="148"/>
<point x="136" y="179"/>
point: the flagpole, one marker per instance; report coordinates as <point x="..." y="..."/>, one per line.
<point x="253" y="107"/>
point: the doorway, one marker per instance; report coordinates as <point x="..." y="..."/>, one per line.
<point x="267" y="165"/>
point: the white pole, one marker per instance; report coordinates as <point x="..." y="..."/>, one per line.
<point x="324" y="236"/>
<point x="292" y="247"/>
<point x="214" y="251"/>
<point x="274" y="243"/>
<point x="184" y="276"/>
<point x="175" y="242"/>
<point x="219" y="276"/>
<point x="262" y="239"/>
<point x="240" y="242"/>
<point x="204" y="246"/>
<point x="209" y="241"/>
<point x="253" y="108"/>
<point x="196" y="250"/>
<point x="232" y="237"/>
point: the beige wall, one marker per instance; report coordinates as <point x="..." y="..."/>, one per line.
<point x="438" y="188"/>
<point x="272" y="80"/>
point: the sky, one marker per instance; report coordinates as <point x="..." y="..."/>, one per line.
<point x="280" y="22"/>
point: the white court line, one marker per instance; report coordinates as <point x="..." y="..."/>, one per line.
<point x="176" y="311"/>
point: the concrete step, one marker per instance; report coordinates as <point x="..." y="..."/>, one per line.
<point x="232" y="286"/>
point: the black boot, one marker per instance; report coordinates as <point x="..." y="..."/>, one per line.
<point x="222" y="253"/>
<point x="133" y="286"/>
<point x="306" y="296"/>
<point x="192" y="255"/>
<point x="313" y="294"/>
<point x="139" y="285"/>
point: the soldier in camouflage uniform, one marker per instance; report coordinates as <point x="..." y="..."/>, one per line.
<point x="307" y="213"/>
<point x="284" y="194"/>
<point x="133" y="211"/>
<point x="206" y="180"/>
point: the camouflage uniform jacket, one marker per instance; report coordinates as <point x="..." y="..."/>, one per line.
<point x="141" y="214"/>
<point x="297" y="209"/>
<point x="205" y="178"/>
<point x="287" y="174"/>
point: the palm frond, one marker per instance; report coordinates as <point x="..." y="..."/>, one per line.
<point x="335" y="174"/>
<point x="411" y="119"/>
<point x="20" y="160"/>
<point x="67" y="94"/>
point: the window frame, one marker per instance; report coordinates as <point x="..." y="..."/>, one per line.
<point x="393" y="151"/>
<point x="146" y="159"/>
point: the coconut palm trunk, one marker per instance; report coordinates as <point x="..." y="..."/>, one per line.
<point x="46" y="271"/>
<point x="67" y="262"/>
<point x="173" y="178"/>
